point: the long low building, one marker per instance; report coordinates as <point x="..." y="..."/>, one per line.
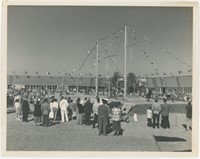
<point x="178" y="83"/>
<point x="53" y="82"/>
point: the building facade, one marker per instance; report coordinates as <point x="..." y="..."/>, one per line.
<point x="182" y="84"/>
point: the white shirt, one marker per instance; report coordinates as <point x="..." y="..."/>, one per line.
<point x="55" y="104"/>
<point x="95" y="107"/>
<point x="17" y="105"/>
<point x="51" y="106"/>
<point x="149" y="113"/>
<point x="63" y="104"/>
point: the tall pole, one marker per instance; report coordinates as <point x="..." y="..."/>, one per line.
<point x="125" y="43"/>
<point x="97" y="70"/>
<point x="77" y="82"/>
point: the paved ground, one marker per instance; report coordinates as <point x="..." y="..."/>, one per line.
<point x="71" y="137"/>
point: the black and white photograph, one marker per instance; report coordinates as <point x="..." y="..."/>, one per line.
<point x="100" y="78"/>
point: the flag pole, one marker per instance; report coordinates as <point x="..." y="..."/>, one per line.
<point x="97" y="70"/>
<point x="125" y="44"/>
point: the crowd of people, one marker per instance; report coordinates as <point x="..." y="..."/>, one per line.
<point x="158" y="110"/>
<point x="50" y="110"/>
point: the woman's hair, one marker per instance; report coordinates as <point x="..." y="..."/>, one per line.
<point x="17" y="100"/>
<point x="52" y="100"/>
<point x="55" y="100"/>
<point x="78" y="100"/>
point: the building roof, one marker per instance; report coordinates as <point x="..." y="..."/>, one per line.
<point x="178" y="81"/>
<point x="54" y="80"/>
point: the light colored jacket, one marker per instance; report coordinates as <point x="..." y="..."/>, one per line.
<point x="64" y="104"/>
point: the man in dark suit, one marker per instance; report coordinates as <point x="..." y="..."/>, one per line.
<point x="88" y="110"/>
<point x="103" y="114"/>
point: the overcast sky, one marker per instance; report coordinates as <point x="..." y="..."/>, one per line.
<point x="55" y="39"/>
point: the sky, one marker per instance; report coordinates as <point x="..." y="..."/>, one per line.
<point x="55" y="39"/>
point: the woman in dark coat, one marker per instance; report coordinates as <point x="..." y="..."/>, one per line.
<point x="37" y="113"/>
<point x="25" y="110"/>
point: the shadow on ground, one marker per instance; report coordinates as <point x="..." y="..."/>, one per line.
<point x="168" y="139"/>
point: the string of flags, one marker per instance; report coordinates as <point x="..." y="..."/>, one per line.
<point x="134" y="32"/>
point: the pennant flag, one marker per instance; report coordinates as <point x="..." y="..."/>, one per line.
<point x="48" y="73"/>
<point x="36" y="72"/>
<point x="26" y="72"/>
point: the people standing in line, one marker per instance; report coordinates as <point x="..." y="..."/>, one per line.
<point x="189" y="116"/>
<point x="63" y="107"/>
<point x="95" y="111"/>
<point x="25" y="109"/>
<point x="45" y="109"/>
<point x="103" y="115"/>
<point x="55" y="109"/>
<point x="116" y="120"/>
<point x="88" y="110"/>
<point x="17" y="109"/>
<point x="149" y="117"/>
<point x="80" y="111"/>
<point x="37" y="113"/>
<point x="165" y="110"/>
<point x="156" y="108"/>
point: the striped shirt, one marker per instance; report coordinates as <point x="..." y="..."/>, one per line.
<point x="116" y="113"/>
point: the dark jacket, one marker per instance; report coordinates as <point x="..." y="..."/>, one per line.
<point x="45" y="108"/>
<point x="88" y="107"/>
<point x="103" y="111"/>
<point x="165" y="109"/>
<point x="37" y="110"/>
<point x="25" y="107"/>
<point x="80" y="108"/>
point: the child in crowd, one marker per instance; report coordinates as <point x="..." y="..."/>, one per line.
<point x="149" y="117"/>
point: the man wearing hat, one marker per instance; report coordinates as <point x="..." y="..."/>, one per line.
<point x="103" y="114"/>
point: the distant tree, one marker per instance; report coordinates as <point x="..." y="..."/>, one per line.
<point x="114" y="82"/>
<point x="131" y="82"/>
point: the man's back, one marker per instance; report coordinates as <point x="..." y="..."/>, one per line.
<point x="156" y="108"/>
<point x="103" y="111"/>
<point x="45" y="108"/>
<point x="88" y="107"/>
<point x="165" y="109"/>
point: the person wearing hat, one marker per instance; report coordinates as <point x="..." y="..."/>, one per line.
<point x="103" y="114"/>
<point x="156" y="108"/>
